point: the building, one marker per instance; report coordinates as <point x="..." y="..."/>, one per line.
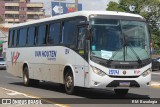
<point x="3" y="41"/>
<point x="18" y="11"/>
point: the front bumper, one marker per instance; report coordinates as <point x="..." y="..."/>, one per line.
<point x="2" y="66"/>
<point x="110" y="82"/>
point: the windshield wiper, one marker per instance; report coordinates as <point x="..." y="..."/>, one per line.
<point x="126" y="44"/>
<point x="110" y="59"/>
<point x="139" y="60"/>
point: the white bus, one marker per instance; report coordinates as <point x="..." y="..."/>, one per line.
<point x="92" y="49"/>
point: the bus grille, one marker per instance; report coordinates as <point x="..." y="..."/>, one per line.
<point x="124" y="67"/>
<point x="115" y="83"/>
<point x="113" y="76"/>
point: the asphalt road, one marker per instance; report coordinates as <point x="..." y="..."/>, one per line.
<point x="156" y="76"/>
<point x="51" y="90"/>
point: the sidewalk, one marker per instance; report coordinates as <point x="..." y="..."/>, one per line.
<point x="10" y="98"/>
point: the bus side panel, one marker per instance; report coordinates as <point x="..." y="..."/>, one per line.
<point x="54" y="73"/>
<point x="37" y="74"/>
<point x="79" y="71"/>
<point x="45" y="72"/>
<point x="86" y="75"/>
<point x="61" y="71"/>
<point x="45" y="65"/>
<point x="24" y="58"/>
<point x="65" y="57"/>
<point x="68" y="57"/>
<point x="31" y="70"/>
<point x="13" y="64"/>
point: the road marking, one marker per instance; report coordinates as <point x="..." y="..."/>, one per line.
<point x="32" y="96"/>
<point x="155" y="84"/>
<point x="14" y="93"/>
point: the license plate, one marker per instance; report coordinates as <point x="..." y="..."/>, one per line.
<point x="124" y="84"/>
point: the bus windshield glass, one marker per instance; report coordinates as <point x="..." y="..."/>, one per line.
<point x="119" y="40"/>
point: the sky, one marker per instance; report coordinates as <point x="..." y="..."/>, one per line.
<point x="86" y="4"/>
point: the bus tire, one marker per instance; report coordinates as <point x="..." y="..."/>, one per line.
<point x="121" y="92"/>
<point x="69" y="83"/>
<point x="26" y="80"/>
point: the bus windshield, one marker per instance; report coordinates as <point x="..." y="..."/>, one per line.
<point x="120" y="40"/>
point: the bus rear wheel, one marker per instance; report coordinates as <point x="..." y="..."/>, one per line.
<point x="69" y="83"/>
<point x="121" y="92"/>
<point x="26" y="80"/>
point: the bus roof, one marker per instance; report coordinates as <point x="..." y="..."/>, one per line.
<point x="79" y="13"/>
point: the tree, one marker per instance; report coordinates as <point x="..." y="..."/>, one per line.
<point x="149" y="9"/>
<point x="155" y="41"/>
<point x="114" y="6"/>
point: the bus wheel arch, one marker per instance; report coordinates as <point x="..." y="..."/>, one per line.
<point x="26" y="80"/>
<point x="24" y="65"/>
<point x="69" y="80"/>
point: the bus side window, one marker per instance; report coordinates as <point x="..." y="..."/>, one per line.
<point x="68" y="33"/>
<point x="54" y="30"/>
<point x="10" y="38"/>
<point x="81" y="37"/>
<point x="15" y="38"/>
<point x="31" y="36"/>
<point x="22" y="37"/>
<point x="41" y="35"/>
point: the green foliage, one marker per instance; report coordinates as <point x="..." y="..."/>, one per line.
<point x="149" y="9"/>
<point x="155" y="42"/>
<point x="113" y="6"/>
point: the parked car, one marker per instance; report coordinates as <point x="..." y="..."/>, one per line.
<point x="156" y="63"/>
<point x="2" y="63"/>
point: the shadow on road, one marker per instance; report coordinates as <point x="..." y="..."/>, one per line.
<point x="86" y="93"/>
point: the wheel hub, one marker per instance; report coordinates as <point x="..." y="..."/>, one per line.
<point x="69" y="82"/>
<point x="25" y="79"/>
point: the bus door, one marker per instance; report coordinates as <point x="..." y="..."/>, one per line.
<point x="81" y="57"/>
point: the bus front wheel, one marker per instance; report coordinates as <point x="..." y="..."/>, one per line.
<point x="121" y="92"/>
<point x="69" y="83"/>
<point x="26" y="80"/>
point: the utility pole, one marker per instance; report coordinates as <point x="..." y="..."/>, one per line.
<point x="60" y="9"/>
<point x="51" y="7"/>
<point x="76" y="5"/>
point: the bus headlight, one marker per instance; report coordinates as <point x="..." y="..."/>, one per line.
<point x="147" y="72"/>
<point x="98" y="71"/>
